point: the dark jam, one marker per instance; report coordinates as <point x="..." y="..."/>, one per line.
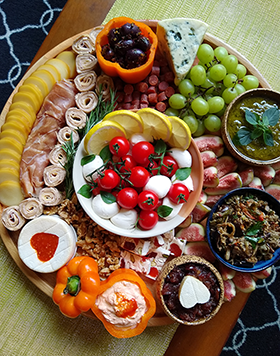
<point x="170" y="291"/>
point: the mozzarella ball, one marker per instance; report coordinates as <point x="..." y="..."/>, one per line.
<point x="182" y="157"/>
<point x="159" y="185"/>
<point x="102" y="209"/>
<point x="125" y="219"/>
<point x="90" y="167"/>
<point x="176" y="208"/>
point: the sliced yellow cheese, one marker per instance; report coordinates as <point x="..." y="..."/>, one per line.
<point x="8" y="153"/>
<point x="53" y="225"/>
<point x="10" y="163"/>
<point x="61" y="66"/>
<point x="39" y="83"/>
<point x="18" y="119"/>
<point x="9" y="174"/>
<point x="11" y="143"/>
<point x="54" y="72"/>
<point x="16" y="134"/>
<point x="18" y="111"/>
<point x="31" y="88"/>
<point x="16" y="125"/>
<point x="46" y="76"/>
<point x="27" y="108"/>
<point x="29" y="98"/>
<point x="10" y="193"/>
<point x="70" y="59"/>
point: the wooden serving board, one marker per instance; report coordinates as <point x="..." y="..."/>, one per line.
<point x="46" y="282"/>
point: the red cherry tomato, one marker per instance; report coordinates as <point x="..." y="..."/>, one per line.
<point x="148" y="219"/>
<point x="126" y="163"/>
<point x="109" y="179"/>
<point x="119" y="146"/>
<point x="147" y="200"/>
<point x="151" y="167"/>
<point x="141" y="152"/>
<point x="95" y="188"/>
<point x="170" y="166"/>
<point x="139" y="176"/>
<point x="127" y="198"/>
<point x="178" y="193"/>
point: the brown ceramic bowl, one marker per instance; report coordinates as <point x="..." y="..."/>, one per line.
<point x="185" y="262"/>
<point x="234" y="112"/>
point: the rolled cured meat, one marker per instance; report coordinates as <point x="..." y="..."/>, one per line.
<point x="103" y="85"/>
<point x="94" y="32"/>
<point x="85" y="81"/>
<point x="83" y="44"/>
<point x="86" y="101"/>
<point x="12" y="218"/>
<point x="54" y="175"/>
<point x="64" y="135"/>
<point x="50" y="196"/>
<point x="85" y="62"/>
<point x="75" y="118"/>
<point x="43" y="136"/>
<point x="31" y="208"/>
<point x="58" y="155"/>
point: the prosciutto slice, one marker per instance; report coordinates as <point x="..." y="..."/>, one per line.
<point x="43" y="136"/>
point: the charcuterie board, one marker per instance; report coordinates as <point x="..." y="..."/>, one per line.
<point x="46" y="282"/>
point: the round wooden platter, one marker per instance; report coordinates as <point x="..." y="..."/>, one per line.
<point x="46" y="282"/>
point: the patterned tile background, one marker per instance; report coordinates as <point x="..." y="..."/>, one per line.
<point x="23" y="27"/>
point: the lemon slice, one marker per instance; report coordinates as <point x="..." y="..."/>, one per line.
<point x="181" y="134"/>
<point x="156" y="124"/>
<point x="130" y="121"/>
<point x="101" y="134"/>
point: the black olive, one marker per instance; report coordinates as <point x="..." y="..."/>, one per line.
<point x="107" y="52"/>
<point x="142" y="43"/>
<point x="114" y="36"/>
<point x="123" y="46"/>
<point x="135" y="56"/>
<point x="130" y="30"/>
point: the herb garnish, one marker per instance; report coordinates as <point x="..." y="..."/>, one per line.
<point x="260" y="127"/>
<point x="70" y="150"/>
<point x="252" y="231"/>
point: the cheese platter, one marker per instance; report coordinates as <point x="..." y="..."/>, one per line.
<point x="46" y="282"/>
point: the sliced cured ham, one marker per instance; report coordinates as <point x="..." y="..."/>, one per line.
<point x="43" y="136"/>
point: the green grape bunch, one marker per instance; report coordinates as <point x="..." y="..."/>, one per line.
<point x="208" y="88"/>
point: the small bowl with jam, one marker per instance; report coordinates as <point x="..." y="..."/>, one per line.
<point x="251" y="127"/>
<point x="190" y="290"/>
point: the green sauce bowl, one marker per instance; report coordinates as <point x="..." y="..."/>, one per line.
<point x="256" y="153"/>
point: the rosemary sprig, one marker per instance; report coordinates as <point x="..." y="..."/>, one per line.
<point x="70" y="150"/>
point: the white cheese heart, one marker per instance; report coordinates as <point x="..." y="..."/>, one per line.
<point x="193" y="291"/>
<point x="53" y="225"/>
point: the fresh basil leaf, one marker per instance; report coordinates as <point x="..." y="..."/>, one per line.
<point x="85" y="191"/>
<point x="254" y="229"/>
<point x="268" y="138"/>
<point x="107" y="197"/>
<point x="160" y="147"/>
<point x="244" y="136"/>
<point x="271" y="116"/>
<point x="257" y="132"/>
<point x="251" y="117"/>
<point x="235" y="140"/>
<point x="265" y="121"/>
<point x="183" y="173"/>
<point x="105" y="153"/>
<point x="87" y="159"/>
<point x="164" y="211"/>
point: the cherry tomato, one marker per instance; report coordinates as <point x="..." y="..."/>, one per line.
<point x="119" y="146"/>
<point x="127" y="198"/>
<point x="139" y="176"/>
<point x="151" y="167"/>
<point x="95" y="188"/>
<point x="109" y="179"/>
<point x="148" y="219"/>
<point x="141" y="152"/>
<point x="126" y="163"/>
<point x="147" y="200"/>
<point x="178" y="193"/>
<point x="170" y="166"/>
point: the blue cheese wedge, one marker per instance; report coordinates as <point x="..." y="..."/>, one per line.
<point x="178" y="41"/>
<point x="65" y="249"/>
